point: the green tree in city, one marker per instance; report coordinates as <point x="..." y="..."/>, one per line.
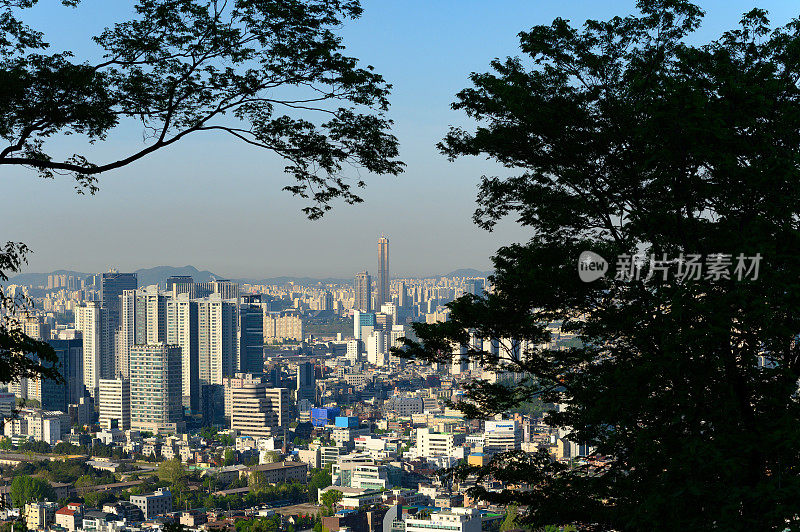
<point x="626" y="137"/>
<point x="330" y="498"/>
<point x="25" y="489"/>
<point x="318" y="479"/>
<point x="171" y="471"/>
<point x="270" y="74"/>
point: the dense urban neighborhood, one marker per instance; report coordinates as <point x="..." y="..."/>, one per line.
<point x="208" y="405"/>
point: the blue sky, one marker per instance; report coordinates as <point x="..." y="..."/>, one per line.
<point x="217" y="205"/>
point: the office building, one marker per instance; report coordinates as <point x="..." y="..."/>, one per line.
<point x="360" y="321"/>
<point x="36" y="328"/>
<point x="281" y="404"/>
<point x="180" y="284"/>
<point x="450" y="520"/>
<point x="501" y="436"/>
<point x="156" y="387"/>
<point x="112" y="286"/>
<point x="251" y="338"/>
<point x="431" y="443"/>
<point x="306" y="382"/>
<point x="114" y="403"/>
<point x="257" y="410"/>
<point x="363" y="292"/>
<point x="382" y="285"/>
<point x="55" y="395"/>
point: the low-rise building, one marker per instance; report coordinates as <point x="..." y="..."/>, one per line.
<point x="153" y="504"/>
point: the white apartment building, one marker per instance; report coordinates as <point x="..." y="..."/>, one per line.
<point x="218" y="346"/>
<point x="88" y="321"/>
<point x="114" y="403"/>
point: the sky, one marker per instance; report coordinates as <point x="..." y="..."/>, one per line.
<point x="218" y="205"/>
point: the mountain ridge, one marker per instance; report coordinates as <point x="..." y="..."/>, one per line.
<point x="159" y="274"/>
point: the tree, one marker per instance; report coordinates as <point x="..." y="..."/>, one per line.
<point x="320" y="478"/>
<point x="229" y="457"/>
<point x="270" y="74"/>
<point x="330" y="498"/>
<point x="621" y="138"/>
<point x="25" y="489"/>
<point x="171" y="471"/>
<point x="510" y="521"/>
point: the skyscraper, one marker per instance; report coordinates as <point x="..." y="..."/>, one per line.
<point x="306" y="382"/>
<point x="156" y="387"/>
<point x="251" y="338"/>
<point x="382" y="286"/>
<point x="363" y="290"/>
<point x="88" y="321"/>
<point x="182" y="330"/>
<point x="218" y="324"/>
<point x="112" y="285"/>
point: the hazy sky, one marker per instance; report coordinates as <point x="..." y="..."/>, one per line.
<point x="217" y="205"/>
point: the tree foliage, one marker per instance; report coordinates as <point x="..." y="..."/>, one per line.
<point x="330" y="498"/>
<point x="25" y="489"/>
<point x="621" y="138"/>
<point x="171" y="471"/>
<point x="270" y="74"/>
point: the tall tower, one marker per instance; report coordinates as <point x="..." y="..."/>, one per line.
<point x="363" y="289"/>
<point x="382" y="286"/>
<point x="112" y="286"/>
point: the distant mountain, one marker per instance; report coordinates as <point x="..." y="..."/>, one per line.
<point x="40" y="279"/>
<point x="159" y="274"/>
<point x="467" y="272"/>
<point x="306" y="281"/>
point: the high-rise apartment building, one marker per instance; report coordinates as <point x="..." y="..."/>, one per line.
<point x="156" y="387"/>
<point x="88" y="320"/>
<point x="363" y="292"/>
<point x="114" y="403"/>
<point x="279" y="327"/>
<point x="182" y="330"/>
<point x="217" y="322"/>
<point x="382" y="286"/>
<point x="142" y="320"/>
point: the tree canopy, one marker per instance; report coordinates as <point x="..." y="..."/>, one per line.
<point x="621" y="138"/>
<point x="25" y="489"/>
